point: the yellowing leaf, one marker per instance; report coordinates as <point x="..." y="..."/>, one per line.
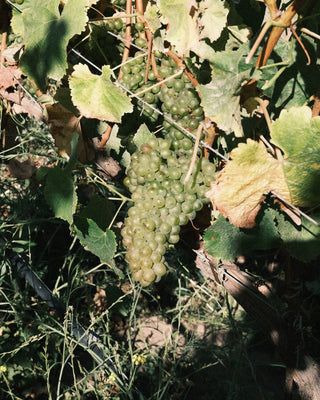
<point x="298" y="134"/>
<point x="214" y="18"/>
<point x="182" y="30"/>
<point x="240" y="187"/>
<point x="96" y="96"/>
<point x="151" y="16"/>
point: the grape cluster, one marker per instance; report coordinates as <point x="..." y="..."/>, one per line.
<point x="162" y="203"/>
<point x="177" y="97"/>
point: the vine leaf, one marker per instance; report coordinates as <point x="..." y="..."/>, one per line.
<point x="239" y="189"/>
<point x="59" y="191"/>
<point x="221" y="97"/>
<point x="152" y="18"/>
<point x="298" y="134"/>
<point x="181" y="17"/>
<point x="46" y="34"/>
<point x="142" y="135"/>
<point x="101" y="243"/>
<point x="214" y="18"/>
<point x="100" y="210"/>
<point x="302" y="242"/>
<point x="227" y="242"/>
<point x="63" y="124"/>
<point x="96" y="96"/>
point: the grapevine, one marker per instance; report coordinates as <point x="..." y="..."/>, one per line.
<point x="197" y="104"/>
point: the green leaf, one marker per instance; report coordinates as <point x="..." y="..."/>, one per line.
<point x="142" y="136"/>
<point x="298" y="134"/>
<point x="99" y="209"/>
<point x="114" y="142"/>
<point x="221" y="97"/>
<point x="227" y="242"/>
<point x="96" y="96"/>
<point x="101" y="243"/>
<point x="59" y="192"/>
<point x="302" y="242"/>
<point x="182" y="31"/>
<point x="214" y="18"/>
<point x="296" y="84"/>
<point x="152" y="18"/>
<point x="46" y="34"/>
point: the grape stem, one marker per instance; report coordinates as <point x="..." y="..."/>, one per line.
<point x="128" y="38"/>
<point x="277" y="31"/>
<point x="180" y="64"/>
<point x="148" y="59"/>
<point x="139" y="6"/>
<point x="310" y="33"/>
<point x="265" y="111"/>
<point x="194" y="155"/>
<point x="96" y="178"/>
<point x="105" y="137"/>
<point x="293" y="29"/>
<point x="316" y="105"/>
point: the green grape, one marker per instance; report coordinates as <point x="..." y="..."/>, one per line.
<point x="136" y="69"/>
<point x="151" y="76"/>
<point x="193" y="124"/>
<point x="140" y="42"/>
<point x="183" y="219"/>
<point x="186" y="144"/>
<point x="156" y="256"/>
<point x="118" y="24"/>
<point x="178" y="85"/>
<point x="139" y="26"/>
<point x="173" y="239"/>
<point x="159" y="268"/>
<point x="149" y="97"/>
<point x="164" y="71"/>
<point x="146" y="252"/>
<point x="165" y="228"/>
<point x="174" y="109"/>
<point x="146" y="263"/>
<point x="166" y="62"/>
<point x="172" y="220"/>
<point x="110" y="25"/>
<point x="158" y="54"/>
<point x="197" y="112"/>
<point x="148" y="275"/>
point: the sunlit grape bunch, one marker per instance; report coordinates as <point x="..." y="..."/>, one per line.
<point x="163" y="202"/>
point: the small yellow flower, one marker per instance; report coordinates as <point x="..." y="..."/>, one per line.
<point x="3" y="369"/>
<point x="139" y="359"/>
<point x="111" y="378"/>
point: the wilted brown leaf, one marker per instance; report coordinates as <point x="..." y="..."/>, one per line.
<point x="21" y="169"/>
<point x="8" y="75"/>
<point x="63" y="124"/>
<point x="242" y="184"/>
